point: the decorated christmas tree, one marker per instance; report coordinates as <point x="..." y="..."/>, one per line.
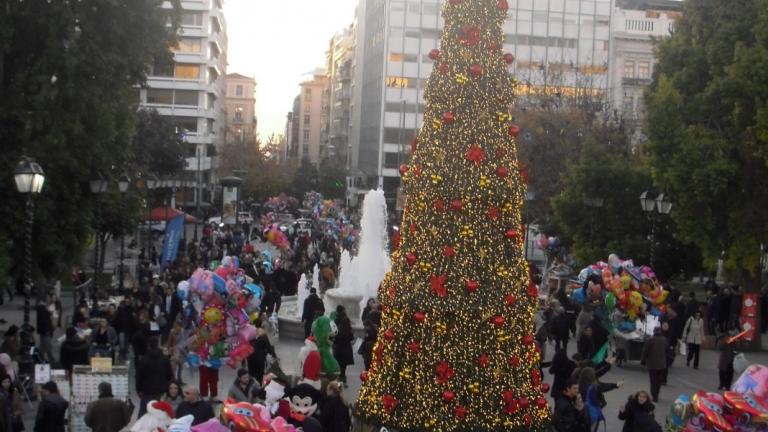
<point x="456" y="350"/>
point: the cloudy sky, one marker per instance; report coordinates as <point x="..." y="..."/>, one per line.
<point x="277" y="42"/>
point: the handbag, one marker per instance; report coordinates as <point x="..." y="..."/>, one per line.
<point x="682" y="348"/>
<point x="740" y="363"/>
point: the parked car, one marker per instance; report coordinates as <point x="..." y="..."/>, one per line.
<point x="157" y="228"/>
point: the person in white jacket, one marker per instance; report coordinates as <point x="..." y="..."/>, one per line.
<point x="693" y="335"/>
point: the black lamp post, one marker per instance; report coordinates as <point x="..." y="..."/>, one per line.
<point x="29" y="178"/>
<point x="122" y="185"/>
<point x="98" y="186"/>
<point x="649" y="204"/>
<point x="152" y="184"/>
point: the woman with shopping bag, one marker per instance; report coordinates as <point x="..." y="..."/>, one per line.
<point x="693" y="334"/>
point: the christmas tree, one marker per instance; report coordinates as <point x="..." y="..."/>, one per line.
<point x="456" y="350"/>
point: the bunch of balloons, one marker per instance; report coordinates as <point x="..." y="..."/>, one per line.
<point x="742" y="409"/>
<point x="621" y="286"/>
<point x="226" y="302"/>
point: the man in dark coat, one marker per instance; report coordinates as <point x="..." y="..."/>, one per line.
<point x="570" y="414"/>
<point x="654" y="357"/>
<point x="313" y="308"/>
<point x="193" y="405"/>
<point x="52" y="410"/>
<point x="45" y="330"/>
<point x="107" y="414"/>
<point x="153" y="373"/>
<point x="586" y="345"/>
<point x="74" y="351"/>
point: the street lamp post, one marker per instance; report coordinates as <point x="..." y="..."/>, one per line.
<point x="152" y="184"/>
<point x="122" y="185"/>
<point x="98" y="186"/>
<point x="649" y="204"/>
<point x="29" y="178"/>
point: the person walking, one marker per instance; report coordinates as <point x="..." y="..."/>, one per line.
<point x="153" y="373"/>
<point x="570" y="412"/>
<point x="257" y="361"/>
<point x="725" y="363"/>
<point x="586" y="344"/>
<point x="654" y="357"/>
<point x="638" y="414"/>
<point x="195" y="406"/>
<point x="51" y="412"/>
<point x="107" y="414"/>
<point x="334" y="416"/>
<point x="560" y="327"/>
<point x="342" y="343"/>
<point x="693" y="335"/>
<point x="313" y="307"/>
<point x="245" y="388"/>
<point x="45" y="330"/>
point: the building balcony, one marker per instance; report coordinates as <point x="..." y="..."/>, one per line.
<point x="638" y="82"/>
<point x="175" y="83"/>
<point x="183" y="111"/>
<point x="181" y="57"/>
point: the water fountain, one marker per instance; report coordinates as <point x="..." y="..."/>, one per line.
<point x="301" y="295"/>
<point x="359" y="277"/>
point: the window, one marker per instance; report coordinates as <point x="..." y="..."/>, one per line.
<point x="185" y="97"/>
<point x="398" y="82"/>
<point x="238" y="114"/>
<point x="643" y="69"/>
<point x="189" y="45"/>
<point x="239" y="90"/>
<point x="184" y="125"/>
<point x="306" y="135"/>
<point x="392" y="160"/>
<point x="187" y="71"/>
<point x="306" y="120"/>
<point x="307" y="108"/>
<point x="305" y="149"/>
<point x="192" y="19"/>
<point x="629" y="68"/>
<point x="162" y="66"/>
<point x="308" y="94"/>
<point x="159" y="96"/>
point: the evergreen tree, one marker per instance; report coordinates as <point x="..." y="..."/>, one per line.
<point x="456" y="350"/>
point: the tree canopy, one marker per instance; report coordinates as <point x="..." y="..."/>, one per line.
<point x="708" y="128"/>
<point x="69" y="77"/>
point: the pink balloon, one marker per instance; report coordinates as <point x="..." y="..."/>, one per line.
<point x="247" y="333"/>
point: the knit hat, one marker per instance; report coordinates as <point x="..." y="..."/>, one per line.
<point x="163" y="406"/>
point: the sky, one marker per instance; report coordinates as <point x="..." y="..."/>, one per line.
<point x="278" y="42"/>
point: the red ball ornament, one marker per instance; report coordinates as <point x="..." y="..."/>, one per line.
<point x="448" y="396"/>
<point x="511" y="234"/>
<point x="389" y="335"/>
<point x="439" y="205"/>
<point x="484" y="360"/>
<point x="528" y="339"/>
<point x="514" y="361"/>
<point x="503" y="5"/>
<point x="411" y="258"/>
<point x="523" y="402"/>
<point x="448" y="117"/>
<point x="510" y="300"/>
<point x="498" y="321"/>
<point x="509" y="58"/>
<point x="443" y="68"/>
<point x="455" y="2"/>
<point x="404" y="169"/>
<point x="389" y="402"/>
<point x="536" y="376"/>
<point x="500" y="152"/>
<point x="419" y="317"/>
<point x="460" y="412"/>
<point x="493" y="46"/>
<point x="533" y="291"/>
<point x="514" y="131"/>
<point x="472" y="286"/>
<point x="364" y="376"/>
<point x="476" y="70"/>
<point x="449" y="252"/>
<point x="528" y="419"/>
<point x="414" y="347"/>
<point x="544" y="387"/>
<point x="457" y="205"/>
<point x="434" y="54"/>
<point x="502" y="171"/>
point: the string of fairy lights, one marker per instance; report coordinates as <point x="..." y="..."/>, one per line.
<point x="455" y="350"/>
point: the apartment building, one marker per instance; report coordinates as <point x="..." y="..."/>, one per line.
<point x="311" y="116"/>
<point x="241" y="108"/>
<point x="191" y="91"/>
<point x="339" y="68"/>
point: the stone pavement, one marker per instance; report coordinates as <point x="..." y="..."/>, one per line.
<point x="682" y="380"/>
